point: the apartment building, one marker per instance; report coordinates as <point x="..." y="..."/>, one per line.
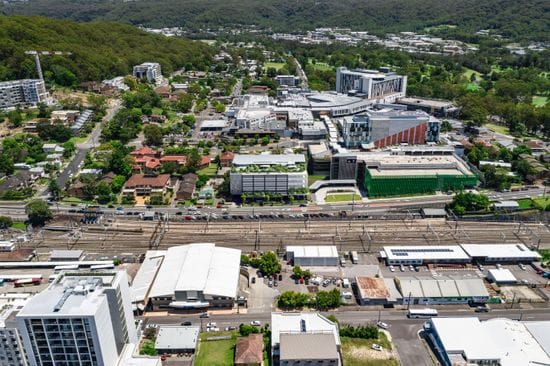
<point x="381" y="84"/>
<point x="81" y="319"/>
<point x="148" y="70"/>
<point x="22" y="93"/>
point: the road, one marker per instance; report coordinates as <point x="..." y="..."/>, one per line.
<point x="301" y="74"/>
<point x="82" y="149"/>
<point x="404" y="331"/>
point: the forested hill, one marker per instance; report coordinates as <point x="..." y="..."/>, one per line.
<point x="516" y="19"/>
<point x="99" y="49"/>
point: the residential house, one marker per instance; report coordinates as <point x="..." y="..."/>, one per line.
<point x="204" y="162"/>
<point x="249" y="350"/>
<point x="141" y="185"/>
<point x="187" y="185"/>
<point x="77" y="190"/>
<point x="22" y="179"/>
<point x="226" y="159"/>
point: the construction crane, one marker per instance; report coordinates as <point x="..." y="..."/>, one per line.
<point x="37" y="54"/>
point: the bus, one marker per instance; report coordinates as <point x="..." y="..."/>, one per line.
<point x="354" y="257"/>
<point x="68" y="267"/>
<point x="422" y="313"/>
<point x="99" y="267"/>
<point x="27" y="282"/>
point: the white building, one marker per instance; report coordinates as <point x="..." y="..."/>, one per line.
<point x="312" y="255"/>
<point x="501" y="275"/>
<point x="196" y="275"/>
<point x="382" y="85"/>
<point x="287" y="80"/>
<point x="493" y="253"/>
<point x="23" y="93"/>
<point x="11" y="347"/>
<point x="268" y="173"/>
<point x="148" y="70"/>
<point x="499" y="341"/>
<point x="80" y="319"/>
<point x="419" y="255"/>
<point x="304" y="338"/>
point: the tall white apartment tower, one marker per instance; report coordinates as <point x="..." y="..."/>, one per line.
<point x="81" y="319"/>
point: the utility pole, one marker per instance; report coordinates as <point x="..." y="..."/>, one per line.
<point x="409" y="301"/>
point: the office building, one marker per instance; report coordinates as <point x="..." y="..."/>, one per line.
<point x="438" y="108"/>
<point x="81" y="319"/>
<point x="387" y="126"/>
<point x="421" y="255"/>
<point x="177" y="339"/>
<point x="192" y="276"/>
<point x="148" y="70"/>
<point x="312" y="255"/>
<point x="498" y="341"/>
<point x="303" y="339"/>
<point x="23" y="93"/>
<point x="282" y="174"/>
<point x="287" y="80"/>
<point x="382" y="85"/>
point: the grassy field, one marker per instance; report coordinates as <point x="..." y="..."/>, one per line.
<point x="216" y="353"/>
<point x="525" y="203"/>
<point x="542" y="202"/>
<point x="471" y="87"/>
<point x="498" y="128"/>
<point x="320" y="66"/>
<point x="539" y="101"/>
<point x="209" y="170"/>
<point x="355" y="352"/>
<point x="342" y="197"/>
<point x="469" y="72"/>
<point x="276" y="65"/>
<point x="78" y="140"/>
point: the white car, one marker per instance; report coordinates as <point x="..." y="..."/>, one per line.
<point x="522" y="266"/>
<point x="255" y="323"/>
<point x="377" y="347"/>
<point x="211" y="325"/>
<point x="392" y="269"/>
<point x="402" y="268"/>
<point x="212" y="329"/>
<point x="382" y="325"/>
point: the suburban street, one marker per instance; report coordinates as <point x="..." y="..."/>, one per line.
<point x="82" y="149"/>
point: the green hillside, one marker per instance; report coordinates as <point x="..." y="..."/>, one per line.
<point x="99" y="49"/>
<point x="517" y="19"/>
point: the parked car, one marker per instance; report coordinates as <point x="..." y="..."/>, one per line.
<point x="392" y="269"/>
<point x="402" y="268"/>
<point x="253" y="279"/>
<point x="256" y="323"/>
<point x="212" y="324"/>
<point x="186" y="324"/>
<point x="382" y="325"/>
<point x="376" y="347"/>
<point x="482" y="309"/>
<point x="205" y="315"/>
<point x="522" y="266"/>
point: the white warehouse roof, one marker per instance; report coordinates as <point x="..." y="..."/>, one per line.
<point x="511" y="342"/>
<point x="297" y="323"/>
<point x="500" y="251"/>
<point x="146" y="274"/>
<point x="442" y="287"/>
<point x="198" y="267"/>
<point x="501" y="275"/>
<point x="311" y="251"/>
<point x="268" y="159"/>
<point x="425" y="253"/>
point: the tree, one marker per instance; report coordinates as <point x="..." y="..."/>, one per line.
<point x="54" y="189"/>
<point x="327" y="299"/>
<point x="15" y="118"/>
<point x="6" y="164"/>
<point x="43" y="111"/>
<point x="269" y="263"/>
<point x="118" y="183"/>
<point x="153" y="135"/>
<point x="5" y="222"/>
<point x="103" y="191"/>
<point x="38" y="212"/>
<point x="245" y="330"/>
<point x="467" y="201"/>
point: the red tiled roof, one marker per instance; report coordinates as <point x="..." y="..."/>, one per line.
<point x="249" y="349"/>
<point x="139" y="180"/>
<point x="152" y="163"/>
<point x="182" y="159"/>
<point x="146" y="150"/>
<point x="205" y="160"/>
<point x="228" y="155"/>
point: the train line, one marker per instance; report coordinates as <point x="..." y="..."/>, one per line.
<point x="136" y="237"/>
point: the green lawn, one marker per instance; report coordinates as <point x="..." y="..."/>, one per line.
<point x="469" y="72"/>
<point x="342" y="197"/>
<point x="216" y="353"/>
<point x="209" y="170"/>
<point x="498" y="128"/>
<point x="471" y="87"/>
<point x="320" y="66"/>
<point x="314" y="178"/>
<point x="539" y="101"/>
<point x="19" y="225"/>
<point x="78" y="140"/>
<point x="351" y="356"/>
<point x="525" y="203"/>
<point x="276" y="65"/>
<point x="542" y="202"/>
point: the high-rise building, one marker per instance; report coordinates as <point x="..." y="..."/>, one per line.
<point x="382" y="85"/>
<point x="148" y="70"/>
<point x="11" y="347"/>
<point x="23" y="93"/>
<point x="81" y="319"/>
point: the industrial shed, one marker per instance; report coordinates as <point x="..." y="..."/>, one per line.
<point x="495" y="253"/>
<point x="502" y="275"/>
<point x="373" y="291"/>
<point x="312" y="256"/>
<point x="419" y="255"/>
<point x="444" y="290"/>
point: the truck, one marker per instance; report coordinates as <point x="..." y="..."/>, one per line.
<point x="354" y="257"/>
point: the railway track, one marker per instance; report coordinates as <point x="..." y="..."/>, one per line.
<point x="126" y="236"/>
